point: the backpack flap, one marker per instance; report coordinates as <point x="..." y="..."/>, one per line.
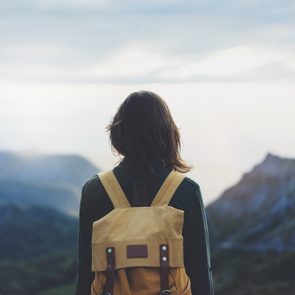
<point x="137" y="233"/>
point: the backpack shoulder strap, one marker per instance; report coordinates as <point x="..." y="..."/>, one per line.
<point x="113" y="189"/>
<point x="168" y="188"/>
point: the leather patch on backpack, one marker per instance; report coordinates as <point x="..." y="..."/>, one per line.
<point x="137" y="251"/>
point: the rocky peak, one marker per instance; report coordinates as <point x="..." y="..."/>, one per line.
<point x="260" y="204"/>
<point x="272" y="166"/>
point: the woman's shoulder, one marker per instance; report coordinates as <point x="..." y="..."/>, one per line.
<point x="90" y="183"/>
<point x="190" y="192"/>
<point x="190" y="183"/>
<point x="90" y="188"/>
<point x="190" y="186"/>
<point x="94" y="197"/>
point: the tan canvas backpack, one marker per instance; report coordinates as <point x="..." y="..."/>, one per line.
<point x="139" y="250"/>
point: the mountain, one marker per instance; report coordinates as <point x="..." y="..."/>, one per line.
<point x="66" y="170"/>
<point x="252" y="231"/>
<point x="21" y="228"/>
<point x="258" y="212"/>
<point x="52" y="180"/>
<point x="38" y="195"/>
<point x="38" y="249"/>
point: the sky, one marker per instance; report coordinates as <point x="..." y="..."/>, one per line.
<point x="225" y="68"/>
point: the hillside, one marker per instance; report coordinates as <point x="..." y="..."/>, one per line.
<point x="38" y="249"/>
<point x="51" y="180"/>
<point x="38" y="195"/>
<point x="252" y="226"/>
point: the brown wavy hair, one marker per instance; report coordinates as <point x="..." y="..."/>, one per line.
<point x="143" y="129"/>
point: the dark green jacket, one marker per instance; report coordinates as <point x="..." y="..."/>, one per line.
<point x="95" y="204"/>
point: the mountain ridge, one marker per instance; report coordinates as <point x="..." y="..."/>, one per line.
<point x="54" y="180"/>
<point x="261" y="201"/>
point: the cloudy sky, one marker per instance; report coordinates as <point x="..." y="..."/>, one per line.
<point x="225" y="68"/>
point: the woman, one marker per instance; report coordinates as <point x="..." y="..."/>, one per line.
<point x="144" y="132"/>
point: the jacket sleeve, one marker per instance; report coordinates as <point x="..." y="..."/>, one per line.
<point x="197" y="247"/>
<point x="84" y="274"/>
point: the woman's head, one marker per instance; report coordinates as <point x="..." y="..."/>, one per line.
<point x="143" y="129"/>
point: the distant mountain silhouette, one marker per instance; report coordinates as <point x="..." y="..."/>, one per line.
<point x="258" y="212"/>
<point x="38" y="237"/>
<point x="252" y="231"/>
<point x="52" y="180"/>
